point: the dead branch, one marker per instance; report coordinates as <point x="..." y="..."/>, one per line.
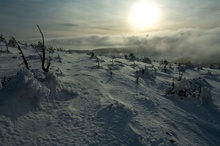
<point x="43" y="54"/>
<point x="21" y="52"/>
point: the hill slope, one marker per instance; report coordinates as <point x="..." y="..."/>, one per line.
<point x="81" y="103"/>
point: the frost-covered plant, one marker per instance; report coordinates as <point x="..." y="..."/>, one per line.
<point x="180" y="76"/>
<point x="92" y="54"/>
<point x="171" y="88"/>
<point x="189" y="65"/>
<point x="132" y="57"/>
<point x="181" y="67"/>
<point x="59" y="59"/>
<point x="165" y="68"/>
<point x="3" y="81"/>
<point x="199" y="68"/>
<point x="126" y="56"/>
<point x="98" y="61"/>
<point x="50" y="49"/>
<point x="211" y="66"/>
<point x="60" y="49"/>
<point x="182" y="87"/>
<point x="113" y="57"/>
<point x="146" y="60"/>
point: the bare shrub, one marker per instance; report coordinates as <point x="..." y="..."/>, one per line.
<point x="21" y="53"/>
<point x="43" y="58"/>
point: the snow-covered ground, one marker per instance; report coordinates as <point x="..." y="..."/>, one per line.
<point x="81" y="103"/>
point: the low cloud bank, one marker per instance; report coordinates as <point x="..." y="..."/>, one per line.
<point x="195" y="43"/>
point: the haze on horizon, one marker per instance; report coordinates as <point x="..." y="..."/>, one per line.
<point x="181" y="26"/>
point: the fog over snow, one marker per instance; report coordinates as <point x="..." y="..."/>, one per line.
<point x="195" y="43"/>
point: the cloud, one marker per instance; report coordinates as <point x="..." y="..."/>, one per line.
<point x="89" y="42"/>
<point x="69" y="24"/>
<point x="194" y="43"/>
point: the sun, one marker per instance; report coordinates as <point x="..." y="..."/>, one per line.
<point x="144" y="14"/>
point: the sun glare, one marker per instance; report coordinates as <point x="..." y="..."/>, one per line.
<point x="144" y="14"/>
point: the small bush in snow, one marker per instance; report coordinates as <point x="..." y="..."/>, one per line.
<point x="98" y="61"/>
<point x="146" y="60"/>
<point x="3" y="81"/>
<point x="132" y="57"/>
<point x="199" y="68"/>
<point x="59" y="59"/>
<point x="181" y="67"/>
<point x="182" y="87"/>
<point x="126" y="56"/>
<point x="180" y="76"/>
<point x="189" y="65"/>
<point x="92" y="54"/>
<point x="50" y="49"/>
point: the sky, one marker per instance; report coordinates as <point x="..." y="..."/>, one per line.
<point x="104" y="23"/>
<point x="68" y="18"/>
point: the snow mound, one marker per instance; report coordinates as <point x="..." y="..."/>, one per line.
<point x="27" y="91"/>
<point x="147" y="103"/>
<point x="115" y="66"/>
<point x="57" y="89"/>
<point x="23" y="93"/>
<point x="115" y="122"/>
<point x="201" y="82"/>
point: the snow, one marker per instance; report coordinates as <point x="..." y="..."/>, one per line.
<point x="85" y="102"/>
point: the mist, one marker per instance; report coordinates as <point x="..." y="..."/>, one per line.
<point x="191" y="43"/>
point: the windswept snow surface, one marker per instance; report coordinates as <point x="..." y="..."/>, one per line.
<point x="81" y="103"/>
